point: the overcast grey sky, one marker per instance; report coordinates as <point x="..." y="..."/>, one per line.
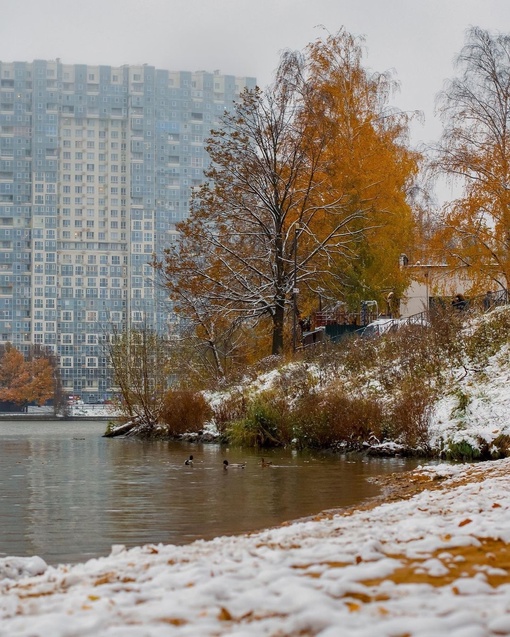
<point x="416" y="38"/>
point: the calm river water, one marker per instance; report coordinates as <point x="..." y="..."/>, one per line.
<point x="67" y="494"/>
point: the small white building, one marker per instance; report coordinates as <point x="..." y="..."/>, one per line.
<point x="429" y="281"/>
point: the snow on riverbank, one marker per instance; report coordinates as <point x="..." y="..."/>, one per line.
<point x="435" y="564"/>
<point x="477" y="406"/>
<point x="94" y="411"/>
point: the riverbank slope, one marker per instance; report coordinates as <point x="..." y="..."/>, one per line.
<point x="432" y="558"/>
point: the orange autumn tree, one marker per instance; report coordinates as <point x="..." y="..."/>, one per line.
<point x="26" y="381"/>
<point x="41" y="386"/>
<point x="475" y="152"/>
<point x="14" y="376"/>
<point x="235" y="254"/>
<point x="370" y="162"/>
<point x="275" y="213"/>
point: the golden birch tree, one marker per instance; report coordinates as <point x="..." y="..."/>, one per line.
<point x="475" y="152"/>
<point x="285" y="202"/>
<point x="370" y="162"/>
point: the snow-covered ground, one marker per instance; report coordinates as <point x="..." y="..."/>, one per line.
<point x="477" y="407"/>
<point x="437" y="564"/>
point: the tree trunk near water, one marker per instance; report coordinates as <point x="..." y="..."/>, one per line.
<point x="278" y="321"/>
<point x="121" y="430"/>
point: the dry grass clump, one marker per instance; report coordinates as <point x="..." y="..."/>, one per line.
<point x="488" y="336"/>
<point x="408" y="420"/>
<point x="184" y="412"/>
<point x="230" y="409"/>
<point x="335" y="417"/>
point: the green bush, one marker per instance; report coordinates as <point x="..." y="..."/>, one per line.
<point x="462" y="451"/>
<point x="265" y="424"/>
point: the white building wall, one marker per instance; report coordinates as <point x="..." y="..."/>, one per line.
<point x="428" y="281"/>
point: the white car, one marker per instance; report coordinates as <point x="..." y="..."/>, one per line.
<point x="379" y="326"/>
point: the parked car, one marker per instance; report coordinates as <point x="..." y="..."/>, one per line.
<point x="384" y="325"/>
<point x="378" y="327"/>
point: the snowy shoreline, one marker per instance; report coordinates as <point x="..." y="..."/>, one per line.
<point x="436" y="563"/>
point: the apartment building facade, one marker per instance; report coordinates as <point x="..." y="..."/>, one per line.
<point x="97" y="164"/>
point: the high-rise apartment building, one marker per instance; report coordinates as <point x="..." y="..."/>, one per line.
<point x="97" y="164"/>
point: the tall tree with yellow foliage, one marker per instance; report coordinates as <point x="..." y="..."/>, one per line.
<point x="370" y="163"/>
<point x="475" y="151"/>
<point x="307" y="178"/>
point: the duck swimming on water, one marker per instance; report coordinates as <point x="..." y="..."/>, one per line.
<point x="189" y="461"/>
<point x="226" y="465"/>
<point x="264" y="463"/>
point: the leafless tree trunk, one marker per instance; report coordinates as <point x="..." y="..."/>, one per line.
<point x="139" y="359"/>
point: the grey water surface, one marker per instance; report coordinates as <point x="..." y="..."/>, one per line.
<point x="67" y="494"/>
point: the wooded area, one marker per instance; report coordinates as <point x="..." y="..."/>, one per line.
<point x="307" y="194"/>
<point x="314" y="193"/>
